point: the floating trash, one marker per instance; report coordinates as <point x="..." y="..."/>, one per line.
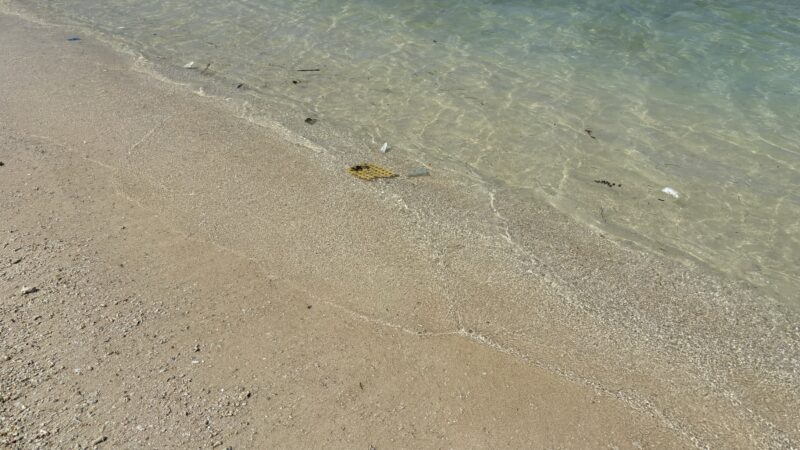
<point x="672" y="192"/>
<point x="419" y="172"/>
<point x="189" y="65"/>
<point x="385" y="147"/>
<point x="369" y="172"/>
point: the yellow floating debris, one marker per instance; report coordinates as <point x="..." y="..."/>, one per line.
<point x="369" y="172"/>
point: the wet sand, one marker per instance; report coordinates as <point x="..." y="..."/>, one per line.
<point x="204" y="281"/>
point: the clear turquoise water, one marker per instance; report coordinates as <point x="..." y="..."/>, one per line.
<point x="700" y="96"/>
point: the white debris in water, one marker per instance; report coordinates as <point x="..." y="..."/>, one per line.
<point x="189" y="65"/>
<point x="385" y="147"/>
<point x="29" y="290"/>
<point x="672" y="192"/>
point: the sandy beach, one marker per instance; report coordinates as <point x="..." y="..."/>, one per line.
<point x="173" y="275"/>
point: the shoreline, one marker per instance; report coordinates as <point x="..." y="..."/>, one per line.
<point x="338" y="146"/>
<point x="411" y="264"/>
<point x="633" y="216"/>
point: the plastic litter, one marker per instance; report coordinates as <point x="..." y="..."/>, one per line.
<point x="419" y="172"/>
<point x="189" y="65"/>
<point x="672" y="192"/>
<point x="369" y="172"/>
<point x="29" y="290"/>
<point x="385" y="147"/>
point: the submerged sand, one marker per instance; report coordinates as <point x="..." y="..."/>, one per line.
<point x="205" y="281"/>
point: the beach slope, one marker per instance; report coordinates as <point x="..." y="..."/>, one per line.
<point x="172" y="275"/>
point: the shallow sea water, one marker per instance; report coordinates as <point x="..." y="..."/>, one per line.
<point x="699" y="96"/>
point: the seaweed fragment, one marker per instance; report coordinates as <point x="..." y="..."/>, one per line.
<point x="608" y="183"/>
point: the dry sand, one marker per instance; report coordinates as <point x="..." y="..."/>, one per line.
<point x="206" y="282"/>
